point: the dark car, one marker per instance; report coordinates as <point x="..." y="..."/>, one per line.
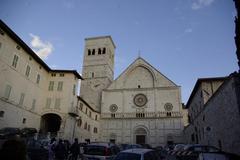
<point x="36" y="151"/>
<point x="9" y="132"/>
<point x="146" y="146"/>
<point x="28" y="132"/>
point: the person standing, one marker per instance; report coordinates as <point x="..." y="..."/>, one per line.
<point x="75" y="149"/>
<point x="60" y="150"/>
<point x="51" y="147"/>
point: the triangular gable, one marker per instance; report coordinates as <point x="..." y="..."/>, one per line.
<point x="159" y="80"/>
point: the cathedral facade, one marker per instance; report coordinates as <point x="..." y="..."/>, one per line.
<point x="140" y="106"/>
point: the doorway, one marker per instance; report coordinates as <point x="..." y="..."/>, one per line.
<point x="50" y="123"/>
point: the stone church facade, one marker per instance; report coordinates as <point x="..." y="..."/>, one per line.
<point x="140" y="106"/>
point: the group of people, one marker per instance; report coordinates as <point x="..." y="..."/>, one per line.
<point x="62" y="150"/>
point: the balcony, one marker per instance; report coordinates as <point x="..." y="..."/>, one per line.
<point x="142" y="115"/>
<point x="73" y="111"/>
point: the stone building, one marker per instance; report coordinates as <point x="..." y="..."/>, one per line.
<point x="140" y="106"/>
<point x="34" y="95"/>
<point x="214" y="113"/>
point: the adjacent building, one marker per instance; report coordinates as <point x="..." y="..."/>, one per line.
<point x="214" y="113"/>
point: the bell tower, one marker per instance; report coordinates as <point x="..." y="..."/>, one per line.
<point x="98" y="69"/>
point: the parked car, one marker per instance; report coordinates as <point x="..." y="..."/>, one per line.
<point x="28" y="132"/>
<point x="146" y="146"/>
<point x="192" y="151"/>
<point x="218" y="156"/>
<point x="138" y="154"/>
<point x="36" y="151"/>
<point x="129" y="146"/>
<point x="9" y="132"/>
<point x="100" y="151"/>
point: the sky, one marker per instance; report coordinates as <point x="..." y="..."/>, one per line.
<point x="183" y="39"/>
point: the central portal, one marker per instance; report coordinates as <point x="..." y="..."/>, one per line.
<point x="140" y="139"/>
<point x="140" y="134"/>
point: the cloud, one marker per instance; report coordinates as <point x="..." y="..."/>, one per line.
<point x="198" y="4"/>
<point x="42" y="49"/>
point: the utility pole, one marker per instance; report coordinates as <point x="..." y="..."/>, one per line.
<point x="237" y="31"/>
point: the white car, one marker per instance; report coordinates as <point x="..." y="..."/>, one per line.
<point x="137" y="154"/>
<point x="100" y="151"/>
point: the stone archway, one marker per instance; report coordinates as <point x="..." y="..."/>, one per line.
<point x="50" y="122"/>
<point x="140" y="135"/>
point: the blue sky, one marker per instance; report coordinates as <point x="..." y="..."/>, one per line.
<point x="183" y="39"/>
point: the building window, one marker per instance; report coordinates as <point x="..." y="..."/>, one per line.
<point x="15" y="60"/>
<point x="22" y="96"/>
<point x="90" y="114"/>
<point x="95" y="117"/>
<point x="99" y="51"/>
<point x="27" y="70"/>
<point x="203" y="118"/>
<point x="79" y="122"/>
<point x="139" y="86"/>
<point x="60" y="86"/>
<point x="53" y="74"/>
<point x="89" y="52"/>
<point x="86" y="110"/>
<point x="88" y="127"/>
<point x="92" y="74"/>
<point x="57" y="103"/>
<point x="18" y="47"/>
<point x="74" y="89"/>
<point x="95" y="130"/>
<point x="85" y="125"/>
<point x="33" y="105"/>
<point x="2" y="114"/>
<point x="48" y="103"/>
<point x="93" y="52"/>
<point x="24" y="120"/>
<point x="51" y="86"/>
<point x="104" y="50"/>
<point x="1" y="32"/>
<point x="81" y="106"/>
<point x="0" y="45"/>
<point x="61" y="74"/>
<point x="169" y="114"/>
<point x="38" y="78"/>
<point x="7" y="92"/>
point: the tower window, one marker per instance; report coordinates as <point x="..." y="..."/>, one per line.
<point x="89" y="52"/>
<point x="24" y="120"/>
<point x="104" y="50"/>
<point x="99" y="51"/>
<point x="139" y="86"/>
<point x="2" y="113"/>
<point x="93" y="52"/>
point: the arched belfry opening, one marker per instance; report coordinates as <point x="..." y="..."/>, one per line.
<point x="50" y="122"/>
<point x="140" y="135"/>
